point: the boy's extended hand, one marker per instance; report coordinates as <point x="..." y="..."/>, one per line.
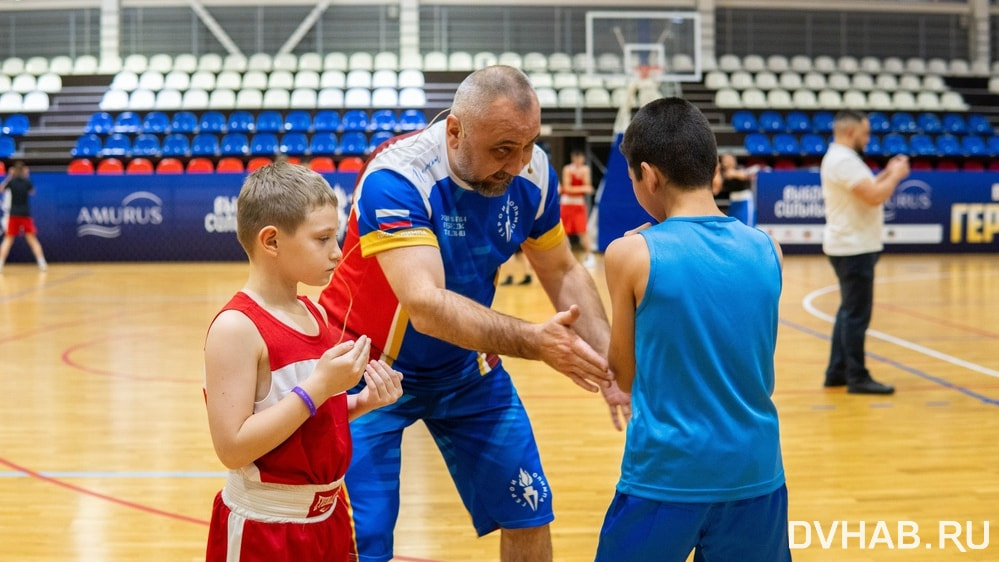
<point x="383" y="386"/>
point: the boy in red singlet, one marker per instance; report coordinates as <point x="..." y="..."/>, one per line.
<point x="574" y="187"/>
<point x="275" y="382"/>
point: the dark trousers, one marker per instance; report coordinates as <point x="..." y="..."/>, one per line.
<point x="856" y="288"/>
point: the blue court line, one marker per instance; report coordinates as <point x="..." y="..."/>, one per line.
<point x="911" y="370"/>
<point x="110" y="474"/>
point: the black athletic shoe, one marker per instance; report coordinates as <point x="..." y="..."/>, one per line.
<point x="870" y="386"/>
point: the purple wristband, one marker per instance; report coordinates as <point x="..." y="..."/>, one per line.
<point x="305" y="398"/>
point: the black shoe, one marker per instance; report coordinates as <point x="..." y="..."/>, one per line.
<point x="525" y="281"/>
<point x="870" y="386"/>
<point x="508" y="280"/>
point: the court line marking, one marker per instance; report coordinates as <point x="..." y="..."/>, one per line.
<point x="902" y="367"/>
<point x="112" y="474"/>
<point x="808" y="304"/>
<point x="106" y="497"/>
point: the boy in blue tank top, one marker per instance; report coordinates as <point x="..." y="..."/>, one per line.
<point x="694" y="327"/>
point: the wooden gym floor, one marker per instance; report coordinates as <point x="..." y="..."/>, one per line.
<point x="105" y="453"/>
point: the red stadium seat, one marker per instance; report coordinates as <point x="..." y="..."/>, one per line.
<point x="200" y="165"/>
<point x="110" y="167"/>
<point x="322" y="164"/>
<point x="257" y="163"/>
<point x="139" y="166"/>
<point x="170" y="166"/>
<point x="350" y="164"/>
<point x="80" y="166"/>
<point x="3" y="169"/>
<point x="230" y="165"/>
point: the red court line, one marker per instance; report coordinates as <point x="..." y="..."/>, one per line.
<point x="112" y="499"/>
<point x="68" y="360"/>
<point x="938" y="320"/>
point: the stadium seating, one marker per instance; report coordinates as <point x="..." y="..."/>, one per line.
<point x="80" y="166"/>
<point x="200" y="166"/>
<point x="294" y="143"/>
<point x="170" y="166"/>
<point x="110" y="167"/>
<point x="324" y="144"/>
<point x="18" y="125"/>
<point x="322" y="164"/>
<point x="8" y="146"/>
<point x="139" y="166"/>
<point x="230" y="165"/>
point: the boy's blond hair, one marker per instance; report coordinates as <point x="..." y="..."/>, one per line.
<point x="280" y="195"/>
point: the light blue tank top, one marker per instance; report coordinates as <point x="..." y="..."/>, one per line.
<point x="704" y="427"/>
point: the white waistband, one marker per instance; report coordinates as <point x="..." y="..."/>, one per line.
<point x="279" y="503"/>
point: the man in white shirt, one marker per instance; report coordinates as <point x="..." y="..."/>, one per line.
<point x="854" y="203"/>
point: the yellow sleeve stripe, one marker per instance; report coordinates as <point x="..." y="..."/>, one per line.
<point x="548" y="240"/>
<point x="377" y="241"/>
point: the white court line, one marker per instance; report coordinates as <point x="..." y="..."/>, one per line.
<point x="811" y="309"/>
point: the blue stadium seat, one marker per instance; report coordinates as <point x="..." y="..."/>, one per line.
<point x="922" y="145"/>
<point x="212" y="122"/>
<point x="7" y="146"/>
<point x="298" y="121"/>
<point x="758" y="144"/>
<point x="383" y="120"/>
<point x="903" y="122"/>
<point x="745" y="122"/>
<point x="949" y="145"/>
<point x="354" y="120"/>
<point x="813" y="144"/>
<point x="270" y="121"/>
<point x="156" y="122"/>
<point x="954" y="124"/>
<point x="874" y="147"/>
<point x="175" y="145"/>
<point x="974" y="145"/>
<point x="377" y="138"/>
<point x="240" y="122"/>
<point x="205" y="144"/>
<point x="412" y="120"/>
<point x="184" y="122"/>
<point x="117" y="144"/>
<point x="234" y="144"/>
<point x="770" y="122"/>
<point x="16" y="125"/>
<point x="323" y="144"/>
<point x="99" y="123"/>
<point x="127" y="122"/>
<point x="993" y="145"/>
<point x="979" y="124"/>
<point x="146" y="145"/>
<point x="354" y="143"/>
<point x="797" y="122"/>
<point x="929" y="123"/>
<point x="326" y="121"/>
<point x="879" y="123"/>
<point x="294" y="143"/>
<point x="262" y="144"/>
<point x="822" y="122"/>
<point x="88" y="145"/>
<point x="894" y="143"/>
<point x="786" y="144"/>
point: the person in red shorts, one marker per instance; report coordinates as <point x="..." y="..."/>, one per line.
<point x="275" y="382"/>
<point x="20" y="220"/>
<point x="575" y="186"/>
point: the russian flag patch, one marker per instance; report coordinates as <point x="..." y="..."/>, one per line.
<point x="393" y="219"/>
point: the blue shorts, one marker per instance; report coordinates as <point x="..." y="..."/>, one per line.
<point x="752" y="530"/>
<point x="485" y="437"/>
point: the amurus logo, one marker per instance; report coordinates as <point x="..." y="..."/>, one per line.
<point x="139" y="208"/>
<point x="530" y="490"/>
<point x="508" y="219"/>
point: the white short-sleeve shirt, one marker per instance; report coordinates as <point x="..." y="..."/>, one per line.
<point x="852" y="226"/>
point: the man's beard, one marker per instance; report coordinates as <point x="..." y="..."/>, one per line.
<point x="490" y="187"/>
